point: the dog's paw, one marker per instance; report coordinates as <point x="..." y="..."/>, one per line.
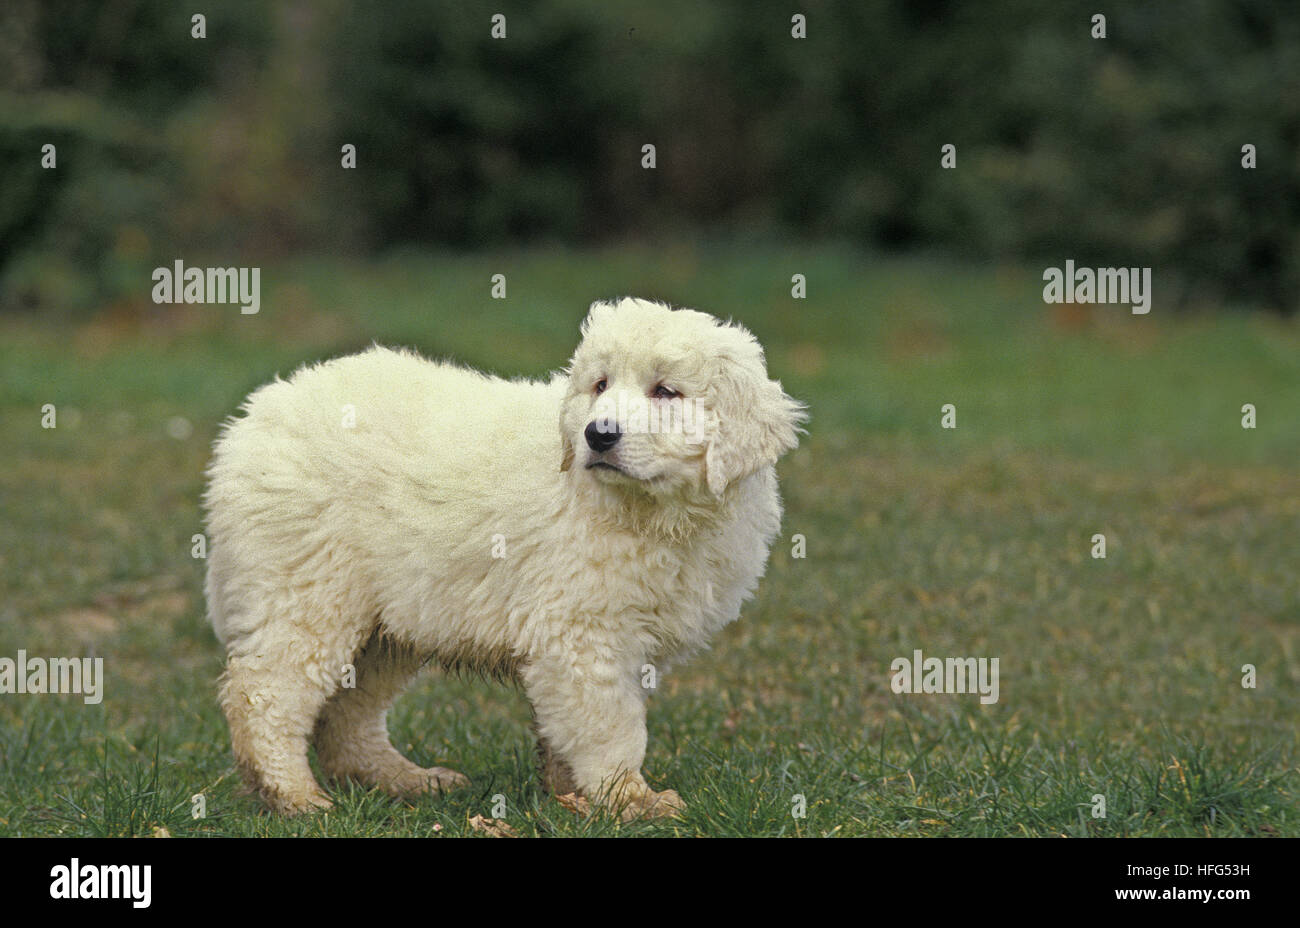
<point x="416" y="781"/>
<point x="298" y="803"/>
<point x="650" y="804"/>
<point x="389" y="771"/>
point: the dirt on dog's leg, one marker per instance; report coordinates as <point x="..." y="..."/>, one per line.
<point x="556" y="776"/>
<point x="270" y="717"/>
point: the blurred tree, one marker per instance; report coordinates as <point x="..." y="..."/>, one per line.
<point x="1124" y="150"/>
<point x="100" y="82"/>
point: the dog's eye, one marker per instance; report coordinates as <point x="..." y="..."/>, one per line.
<point x="601" y="385"/>
<point x="664" y="393"/>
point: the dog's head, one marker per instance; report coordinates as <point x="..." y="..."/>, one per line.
<point x="670" y="400"/>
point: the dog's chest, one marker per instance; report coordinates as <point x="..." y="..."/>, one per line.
<point x="676" y="596"/>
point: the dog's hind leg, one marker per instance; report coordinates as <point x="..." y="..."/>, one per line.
<point x="276" y="682"/>
<point x="351" y="734"/>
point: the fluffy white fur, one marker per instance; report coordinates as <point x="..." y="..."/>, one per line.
<point x="454" y="521"/>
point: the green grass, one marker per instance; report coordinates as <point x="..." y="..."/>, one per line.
<point x="1118" y="676"/>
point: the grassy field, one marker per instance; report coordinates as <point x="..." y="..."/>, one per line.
<point x="1119" y="677"/>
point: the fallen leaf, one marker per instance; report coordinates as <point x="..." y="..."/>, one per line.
<point x="492" y="827"/>
<point x="576" y="804"/>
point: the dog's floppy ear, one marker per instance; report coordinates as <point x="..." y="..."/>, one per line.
<point x="754" y="421"/>
<point x="566" y="451"/>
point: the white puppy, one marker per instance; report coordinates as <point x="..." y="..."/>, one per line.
<point x="380" y="510"/>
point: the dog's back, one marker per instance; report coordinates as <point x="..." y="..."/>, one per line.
<point x="383" y="445"/>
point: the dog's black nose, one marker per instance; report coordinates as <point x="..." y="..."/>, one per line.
<point x="602" y="434"/>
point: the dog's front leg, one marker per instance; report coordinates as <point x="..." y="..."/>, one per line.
<point x="590" y="717"/>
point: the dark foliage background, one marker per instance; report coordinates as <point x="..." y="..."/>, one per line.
<point x="1123" y="151"/>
